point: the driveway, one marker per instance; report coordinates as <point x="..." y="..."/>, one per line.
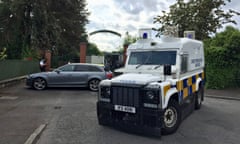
<point x="70" y="118"/>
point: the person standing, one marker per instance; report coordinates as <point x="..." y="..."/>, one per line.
<point x="42" y="65"/>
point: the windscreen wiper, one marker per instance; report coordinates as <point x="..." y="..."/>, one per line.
<point x="157" y="66"/>
<point x="145" y="62"/>
<point x="138" y="66"/>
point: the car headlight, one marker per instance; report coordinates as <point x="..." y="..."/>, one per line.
<point x="105" y="93"/>
<point x="151" y="98"/>
<point x="150" y="95"/>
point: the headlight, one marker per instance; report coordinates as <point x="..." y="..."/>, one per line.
<point x="150" y="95"/>
<point x="151" y="98"/>
<point x="105" y="93"/>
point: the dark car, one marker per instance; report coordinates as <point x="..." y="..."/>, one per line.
<point x="70" y="75"/>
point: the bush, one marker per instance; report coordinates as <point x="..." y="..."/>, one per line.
<point x="222" y="54"/>
<point x="3" y="54"/>
<point x="220" y="78"/>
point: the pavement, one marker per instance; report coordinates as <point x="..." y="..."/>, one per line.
<point x="12" y="81"/>
<point x="230" y="93"/>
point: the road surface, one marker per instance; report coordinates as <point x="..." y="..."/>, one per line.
<point x="70" y="118"/>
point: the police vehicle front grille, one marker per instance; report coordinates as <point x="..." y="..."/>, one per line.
<point x="126" y="96"/>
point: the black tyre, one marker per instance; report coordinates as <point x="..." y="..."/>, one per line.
<point x="102" y="122"/>
<point x="172" y="118"/>
<point x="199" y="98"/>
<point x="39" y="84"/>
<point x="101" y="119"/>
<point x="93" y="84"/>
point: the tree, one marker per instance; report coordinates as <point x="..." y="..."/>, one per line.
<point x="92" y="49"/>
<point x="35" y="25"/>
<point x="202" y="16"/>
<point x="227" y="41"/>
<point x="12" y="27"/>
<point x="71" y="18"/>
<point x="129" y="39"/>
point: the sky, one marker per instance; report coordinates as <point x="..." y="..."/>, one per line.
<point x="128" y="16"/>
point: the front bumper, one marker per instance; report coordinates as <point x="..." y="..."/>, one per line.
<point x="29" y="81"/>
<point x="144" y="121"/>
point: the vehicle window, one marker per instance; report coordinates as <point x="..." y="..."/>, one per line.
<point x="67" y="68"/>
<point x="81" y="68"/>
<point x="94" y="69"/>
<point x="184" y="62"/>
<point x="153" y="58"/>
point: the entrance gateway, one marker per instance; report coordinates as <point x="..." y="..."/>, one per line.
<point x="161" y="83"/>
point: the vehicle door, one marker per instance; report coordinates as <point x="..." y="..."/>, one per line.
<point x="80" y="75"/>
<point x="96" y="72"/>
<point x="62" y="75"/>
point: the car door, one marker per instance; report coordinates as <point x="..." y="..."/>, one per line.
<point x="62" y="76"/>
<point x="96" y="72"/>
<point x="80" y="75"/>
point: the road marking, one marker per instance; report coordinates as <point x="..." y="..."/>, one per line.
<point x="36" y="134"/>
<point x="8" y="97"/>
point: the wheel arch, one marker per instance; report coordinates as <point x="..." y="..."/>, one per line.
<point x="199" y="82"/>
<point x="92" y="78"/>
<point x="172" y="94"/>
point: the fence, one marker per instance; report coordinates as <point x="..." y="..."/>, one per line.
<point x="15" y="68"/>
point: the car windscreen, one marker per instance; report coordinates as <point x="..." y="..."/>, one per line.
<point x="152" y="58"/>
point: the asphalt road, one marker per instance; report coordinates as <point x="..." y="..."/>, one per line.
<point x="70" y="116"/>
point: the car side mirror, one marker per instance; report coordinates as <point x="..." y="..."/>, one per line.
<point x="167" y="69"/>
<point x="57" y="71"/>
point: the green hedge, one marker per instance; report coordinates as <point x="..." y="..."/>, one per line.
<point x="222" y="55"/>
<point x="14" y="68"/>
<point x="220" y="78"/>
<point x="221" y="70"/>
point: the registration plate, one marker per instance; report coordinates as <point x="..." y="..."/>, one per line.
<point x="125" y="108"/>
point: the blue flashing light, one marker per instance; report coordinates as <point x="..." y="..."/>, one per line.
<point x="190" y="36"/>
<point x="145" y="35"/>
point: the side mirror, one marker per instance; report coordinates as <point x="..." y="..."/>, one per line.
<point x="167" y="70"/>
<point x="57" y="71"/>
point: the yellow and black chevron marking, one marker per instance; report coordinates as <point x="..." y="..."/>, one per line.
<point x="186" y="86"/>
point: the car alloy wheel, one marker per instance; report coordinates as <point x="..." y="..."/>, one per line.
<point x="93" y="84"/>
<point x="39" y="84"/>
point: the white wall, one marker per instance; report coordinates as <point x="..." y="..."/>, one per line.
<point x="95" y="59"/>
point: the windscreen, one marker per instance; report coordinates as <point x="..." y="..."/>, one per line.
<point x="152" y="58"/>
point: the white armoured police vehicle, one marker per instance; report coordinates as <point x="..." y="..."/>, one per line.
<point x="162" y="82"/>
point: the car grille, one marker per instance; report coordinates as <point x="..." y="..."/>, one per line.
<point x="126" y="96"/>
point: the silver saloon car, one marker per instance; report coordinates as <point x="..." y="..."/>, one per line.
<point x="70" y="75"/>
